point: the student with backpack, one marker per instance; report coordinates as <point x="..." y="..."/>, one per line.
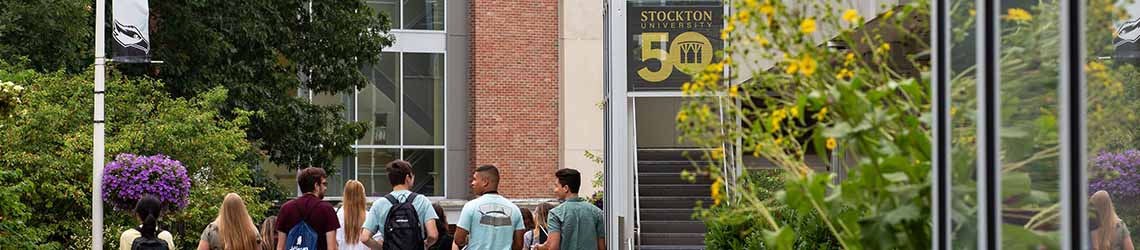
<point x="489" y="222"/>
<point x="404" y="219"/>
<point x="575" y="224"/>
<point x="538" y="235"/>
<point x="308" y="223"/>
<point x="147" y="236"/>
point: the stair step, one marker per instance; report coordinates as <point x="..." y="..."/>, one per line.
<point x="672" y="239"/>
<point x="666" y="214"/>
<point x="661" y="247"/>
<point x="649" y="227"/>
<point x="699" y="190"/>
<point x="669" y="154"/>
<point x="669" y="178"/>
<point x="673" y="202"/>
<point x="665" y="168"/>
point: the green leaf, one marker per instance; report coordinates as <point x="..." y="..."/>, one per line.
<point x="1014" y="184"/>
<point x="896" y="177"/>
<point x="903" y="213"/>
<point x="783" y="238"/>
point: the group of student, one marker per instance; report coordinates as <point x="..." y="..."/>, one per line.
<point x="402" y="219"/>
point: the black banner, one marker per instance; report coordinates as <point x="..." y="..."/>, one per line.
<point x="131" y="31"/>
<point x="669" y="44"/>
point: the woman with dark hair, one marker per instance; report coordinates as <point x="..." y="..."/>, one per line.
<point x="147" y="236"/>
<point x="445" y="238"/>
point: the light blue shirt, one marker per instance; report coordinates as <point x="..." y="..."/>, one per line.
<point x="491" y="222"/>
<point x="374" y="222"/>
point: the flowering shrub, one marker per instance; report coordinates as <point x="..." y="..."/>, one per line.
<point x="9" y="97"/>
<point x="1116" y="173"/>
<point x="129" y="177"/>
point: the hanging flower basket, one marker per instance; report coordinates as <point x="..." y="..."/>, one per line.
<point x="129" y="177"/>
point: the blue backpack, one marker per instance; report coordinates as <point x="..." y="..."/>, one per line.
<point x="302" y="236"/>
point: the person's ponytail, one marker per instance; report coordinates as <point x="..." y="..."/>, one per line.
<point x="148" y="209"/>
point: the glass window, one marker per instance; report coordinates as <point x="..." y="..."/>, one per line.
<point x="428" y="167"/>
<point x="371" y="169"/>
<point x="963" y="140"/>
<point x="423" y="14"/>
<point x="379" y="104"/>
<point x="423" y="99"/>
<point x="390" y="8"/>
<point x="1112" y="96"/>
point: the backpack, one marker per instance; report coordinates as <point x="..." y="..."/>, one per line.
<point x="144" y="243"/>
<point x="402" y="228"/>
<point x="302" y="236"/>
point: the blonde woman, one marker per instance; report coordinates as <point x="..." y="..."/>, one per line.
<point x="232" y="230"/>
<point x="1112" y="234"/>
<point x="351" y="215"/>
<point x="538" y="235"/>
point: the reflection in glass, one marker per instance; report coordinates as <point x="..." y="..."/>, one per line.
<point x="379" y="103"/>
<point x="963" y="143"/>
<point x="342" y="172"/>
<point x="1112" y="98"/>
<point x="423" y="99"/>
<point x="428" y="167"/>
<point x="390" y="8"/>
<point x="343" y="100"/>
<point x="423" y="14"/>
<point x="371" y="171"/>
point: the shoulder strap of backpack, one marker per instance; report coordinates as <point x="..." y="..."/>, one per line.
<point x="411" y="198"/>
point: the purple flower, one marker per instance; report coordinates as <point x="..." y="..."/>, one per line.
<point x="1116" y="173"/>
<point x="129" y="177"/>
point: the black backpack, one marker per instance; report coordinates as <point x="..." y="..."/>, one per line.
<point x="402" y="229"/>
<point x="144" y="243"/>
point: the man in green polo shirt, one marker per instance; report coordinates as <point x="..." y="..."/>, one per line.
<point x="575" y="224"/>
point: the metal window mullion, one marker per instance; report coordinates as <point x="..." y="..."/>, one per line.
<point x="989" y="143"/>
<point x="1073" y="129"/>
<point x="941" y="166"/>
<point x="400" y="75"/>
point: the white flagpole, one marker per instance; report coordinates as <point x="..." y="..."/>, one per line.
<point x="97" y="152"/>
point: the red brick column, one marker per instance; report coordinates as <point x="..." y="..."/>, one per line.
<point x="515" y="93"/>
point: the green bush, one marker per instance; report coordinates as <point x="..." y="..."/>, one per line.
<point x="745" y="231"/>
<point x="46" y="156"/>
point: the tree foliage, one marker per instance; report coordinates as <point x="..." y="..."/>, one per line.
<point x="46" y="158"/>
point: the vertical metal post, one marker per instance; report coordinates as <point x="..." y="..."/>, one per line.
<point x="989" y="143"/>
<point x="941" y="88"/>
<point x="97" y="151"/>
<point x="1073" y="129"/>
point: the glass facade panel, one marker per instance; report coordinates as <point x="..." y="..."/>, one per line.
<point x="1112" y="97"/>
<point x="390" y="8"/>
<point x="379" y="103"/>
<point x="428" y="167"/>
<point x="423" y="99"/>
<point x="344" y="169"/>
<point x="371" y="169"/>
<point x="963" y="113"/>
<point x="1029" y="134"/>
<point x="423" y="14"/>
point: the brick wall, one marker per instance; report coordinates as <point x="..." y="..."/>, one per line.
<point x="515" y="93"/>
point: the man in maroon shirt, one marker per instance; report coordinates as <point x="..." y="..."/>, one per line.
<point x="309" y="207"/>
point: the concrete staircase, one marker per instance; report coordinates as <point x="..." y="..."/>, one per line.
<point x="666" y="201"/>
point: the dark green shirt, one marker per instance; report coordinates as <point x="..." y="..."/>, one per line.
<point x="579" y="223"/>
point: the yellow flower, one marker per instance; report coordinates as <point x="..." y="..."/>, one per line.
<point x="822" y="113"/>
<point x="851" y="15"/>
<point x="717" y="154"/>
<point x="685" y="88"/>
<point x="716" y="188"/>
<point x="807" y="65"/>
<point x="794" y="111"/>
<point x="883" y="48"/>
<point x="744" y="15"/>
<point x="761" y="40"/>
<point x="734" y="91"/>
<point x="807" y="26"/>
<point x="682" y="117"/>
<point x="792" y="68"/>
<point x="849" y="60"/>
<point x="756" y="150"/>
<point x="888" y="14"/>
<point x="973" y="12"/>
<point x="767" y="9"/>
<point x="953" y="110"/>
<point x="831" y="143"/>
<point x="750" y="3"/>
<point x="724" y="34"/>
<point x="1017" y="14"/>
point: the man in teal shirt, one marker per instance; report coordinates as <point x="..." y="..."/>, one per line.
<point x="575" y="224"/>
<point x="491" y="221"/>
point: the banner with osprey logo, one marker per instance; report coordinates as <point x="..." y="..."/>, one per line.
<point x="131" y="33"/>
